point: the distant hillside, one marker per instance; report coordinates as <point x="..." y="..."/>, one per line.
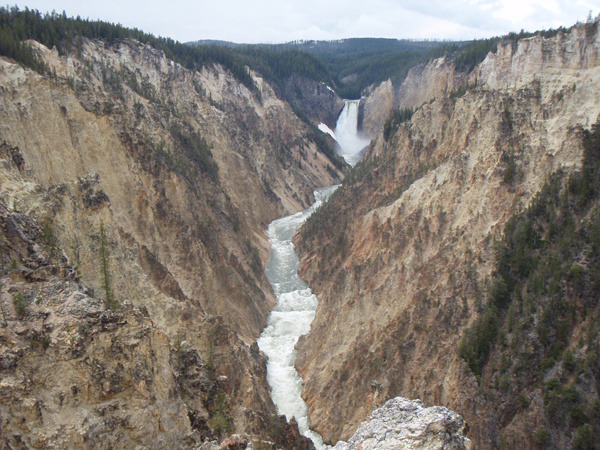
<point x="215" y="42"/>
<point x="354" y="64"/>
<point x="360" y="62"/>
<point x="351" y="64"/>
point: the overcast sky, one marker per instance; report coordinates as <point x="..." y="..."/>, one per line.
<point x="274" y="21"/>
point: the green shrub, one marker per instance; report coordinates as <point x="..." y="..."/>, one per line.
<point x="397" y="117"/>
<point x="568" y="360"/>
<point x="570" y="393"/>
<point x="577" y="277"/>
<point x="585" y="437"/>
<point x="541" y="436"/>
<point x="461" y="91"/>
<point x="220" y="424"/>
<point x="510" y="172"/>
<point x="20" y="304"/>
<point x="523" y="401"/>
<point x="578" y="416"/>
<point x="220" y="419"/>
<point x="196" y="149"/>
<point x="49" y="235"/>
<point x="476" y="344"/>
<point x="109" y="300"/>
<point x="44" y="343"/>
<point x="499" y="294"/>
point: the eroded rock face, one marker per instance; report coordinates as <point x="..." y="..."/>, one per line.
<point x="422" y="84"/>
<point x="521" y="62"/>
<point x="80" y="373"/>
<point x="74" y="372"/>
<point x="400" y="255"/>
<point x="406" y="424"/>
<point x="376" y="108"/>
<point x="193" y="164"/>
<point x="514" y="64"/>
<point x="317" y="101"/>
<point x="183" y="171"/>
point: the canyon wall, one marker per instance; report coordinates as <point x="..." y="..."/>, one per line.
<point x="153" y="185"/>
<point x="422" y="84"/>
<point x="314" y="99"/>
<point x="401" y="256"/>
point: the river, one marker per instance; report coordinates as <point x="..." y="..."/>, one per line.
<point x="291" y="318"/>
<point x="296" y="304"/>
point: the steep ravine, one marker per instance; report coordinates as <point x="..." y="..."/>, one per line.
<point x="400" y="255"/>
<point x="174" y="175"/>
<point x="290" y="319"/>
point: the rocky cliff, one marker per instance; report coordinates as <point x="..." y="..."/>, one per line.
<point x="403" y="253"/>
<point x="153" y="185"/>
<point x="313" y="99"/>
<point x="406" y="424"/>
<point x="422" y="84"/>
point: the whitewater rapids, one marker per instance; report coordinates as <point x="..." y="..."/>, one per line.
<point x="291" y="318"/>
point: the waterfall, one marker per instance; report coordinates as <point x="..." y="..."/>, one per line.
<point x="296" y="304"/>
<point x="291" y="318"/>
<point x="350" y="141"/>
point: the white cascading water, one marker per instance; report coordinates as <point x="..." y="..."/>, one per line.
<point x="296" y="304"/>
<point x="291" y="318"/>
<point x="347" y="136"/>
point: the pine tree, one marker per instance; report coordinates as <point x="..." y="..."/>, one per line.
<point x="109" y="300"/>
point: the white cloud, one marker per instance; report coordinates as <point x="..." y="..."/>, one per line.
<point x="285" y="20"/>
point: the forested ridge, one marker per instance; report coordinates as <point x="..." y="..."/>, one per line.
<point x="352" y="65"/>
<point x="357" y="63"/>
<point x="349" y="66"/>
<point x="65" y="33"/>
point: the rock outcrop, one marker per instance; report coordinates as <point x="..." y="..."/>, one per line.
<point x="406" y="424"/>
<point x="376" y="107"/>
<point x="400" y="255"/>
<point x="74" y="371"/>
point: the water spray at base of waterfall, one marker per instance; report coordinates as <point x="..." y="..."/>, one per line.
<point x="290" y="319"/>
<point x="352" y="144"/>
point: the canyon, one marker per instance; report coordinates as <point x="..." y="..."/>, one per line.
<point x="135" y="203"/>
<point x="174" y="175"/>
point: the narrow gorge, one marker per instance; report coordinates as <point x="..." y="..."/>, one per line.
<point x="135" y="197"/>
<point x="205" y="246"/>
<point x="296" y="304"/>
<point x="290" y="319"/>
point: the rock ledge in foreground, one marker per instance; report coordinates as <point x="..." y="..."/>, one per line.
<point x="406" y="424"/>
